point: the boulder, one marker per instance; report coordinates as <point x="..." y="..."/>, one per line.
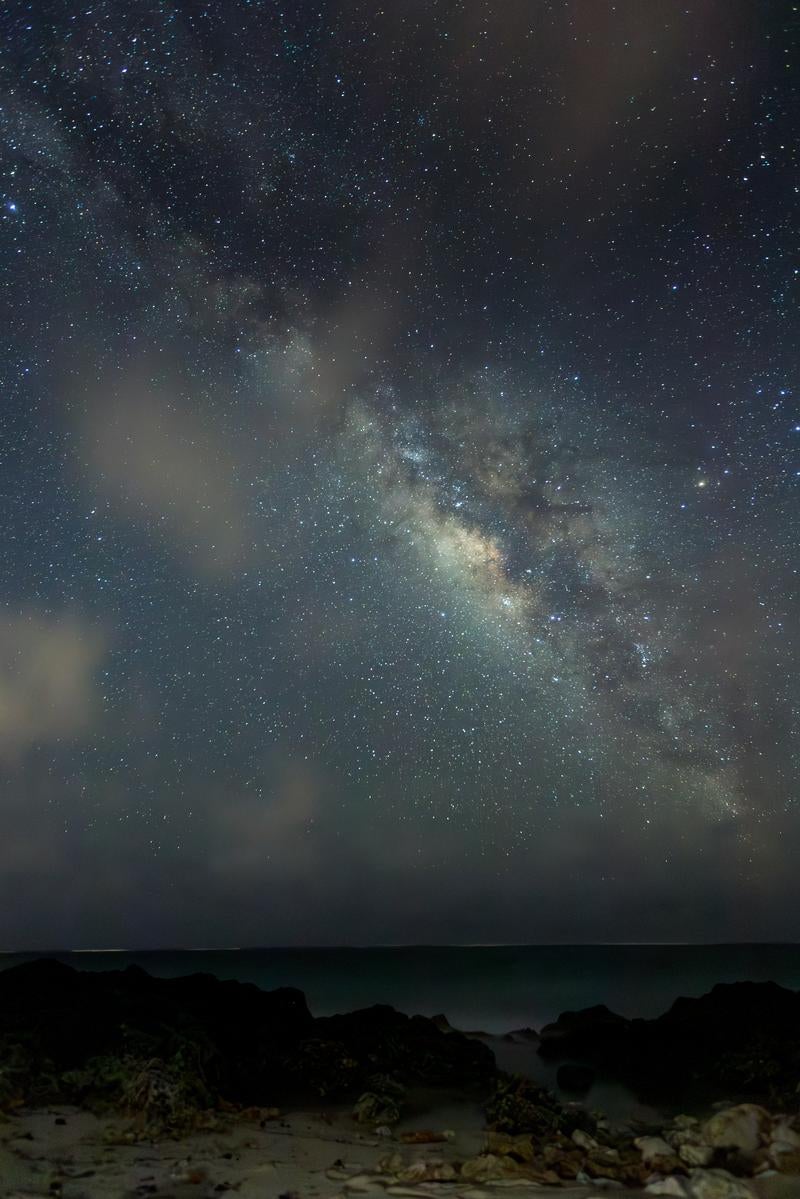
<point x="743" y="1128"/>
<point x="502" y="1145"/>
<point x="701" y="1184"/>
<point x="784" y="1139"/>
<point x="573" y="1033"/>
<point x="695" y="1153"/>
<point x="652" y="1148"/>
<point x="717" y="1184"/>
<point x="673" y="1186"/>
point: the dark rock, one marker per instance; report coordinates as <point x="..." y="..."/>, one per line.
<point x="572" y="1032"/>
<point x="409" y="1048"/>
<point x="741" y="1040"/>
<point x="518" y="1105"/>
<point x="575" y="1078"/>
<point x="165" y="1048"/>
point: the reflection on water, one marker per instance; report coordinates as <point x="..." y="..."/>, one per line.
<point x="615" y="1101"/>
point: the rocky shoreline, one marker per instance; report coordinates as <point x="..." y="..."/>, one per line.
<point x="158" y="1061"/>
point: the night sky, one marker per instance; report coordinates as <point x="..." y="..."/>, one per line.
<point x="400" y="471"/>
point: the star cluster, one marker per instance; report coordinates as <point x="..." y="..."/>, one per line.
<point x="401" y="470"/>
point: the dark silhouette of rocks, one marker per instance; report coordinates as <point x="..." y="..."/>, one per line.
<point x="125" y="1037"/>
<point x="739" y="1040"/>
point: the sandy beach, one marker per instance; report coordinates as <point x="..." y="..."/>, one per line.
<point x="66" y="1152"/>
<point x="120" y="1084"/>
<point x="72" y="1154"/>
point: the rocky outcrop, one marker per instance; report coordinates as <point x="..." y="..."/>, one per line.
<point x="741" y="1039"/>
<point x="164" y="1048"/>
<point x="550" y="1156"/>
<point x="519" y="1106"/>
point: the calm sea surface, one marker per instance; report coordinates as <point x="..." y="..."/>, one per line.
<point x="494" y="988"/>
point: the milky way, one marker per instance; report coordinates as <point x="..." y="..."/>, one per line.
<point x="400" y="472"/>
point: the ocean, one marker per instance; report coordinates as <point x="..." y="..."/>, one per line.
<point x="490" y="988"/>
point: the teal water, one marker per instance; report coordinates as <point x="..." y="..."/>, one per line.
<point x="494" y="988"/>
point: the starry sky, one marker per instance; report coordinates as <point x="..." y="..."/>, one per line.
<point x="400" y="471"/>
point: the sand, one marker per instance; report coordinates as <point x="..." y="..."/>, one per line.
<point x="63" y="1153"/>
<point x="293" y="1156"/>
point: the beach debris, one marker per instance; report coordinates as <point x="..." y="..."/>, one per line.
<point x="391" y="1164"/>
<point x="422" y="1136"/>
<point x="381" y="1103"/>
<point x="486" y="1166"/>
<point x="258" y="1115"/>
<point x="519" y="1105"/>
<point x="187" y="1173"/>
<point x="503" y="1145"/>
<point x="375" y="1109"/>
<point x="430" y="1170"/>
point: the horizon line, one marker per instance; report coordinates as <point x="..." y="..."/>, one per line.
<point x="400" y="945"/>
